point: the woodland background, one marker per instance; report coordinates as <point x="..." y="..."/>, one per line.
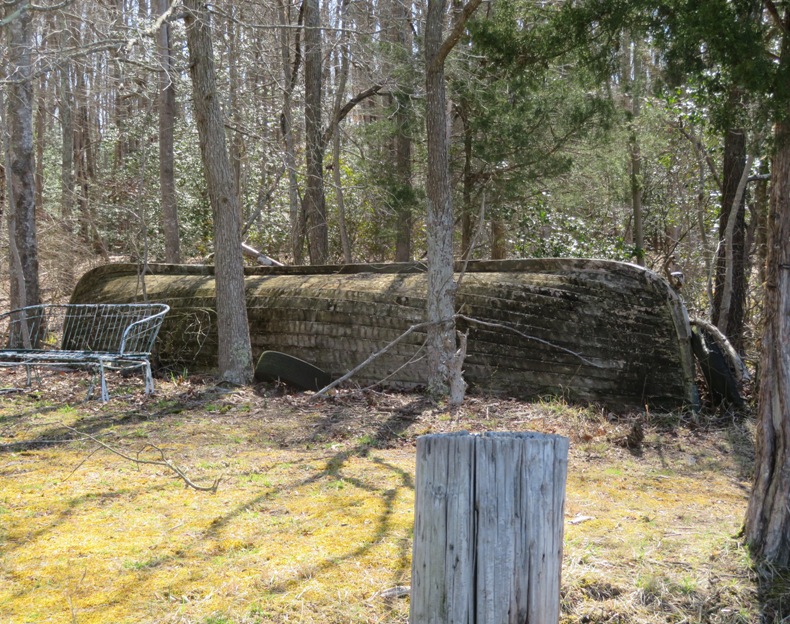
<point x="556" y="148"/>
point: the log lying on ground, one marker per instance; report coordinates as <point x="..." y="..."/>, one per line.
<point x="586" y="330"/>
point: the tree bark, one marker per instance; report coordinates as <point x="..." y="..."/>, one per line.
<point x="314" y="200"/>
<point x="445" y="358"/>
<point x="67" y="150"/>
<point x="24" y="290"/>
<point x="234" y="353"/>
<point x="286" y="128"/>
<point x="731" y="204"/>
<point x="167" y="116"/>
<point x="634" y="82"/>
<point x="768" y="515"/>
<point x="398" y="35"/>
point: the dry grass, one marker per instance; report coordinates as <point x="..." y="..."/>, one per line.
<point x="313" y="515"/>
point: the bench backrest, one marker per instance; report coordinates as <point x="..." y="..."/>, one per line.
<point x="128" y="329"/>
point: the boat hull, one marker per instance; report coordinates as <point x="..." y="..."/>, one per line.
<point x="586" y="330"/>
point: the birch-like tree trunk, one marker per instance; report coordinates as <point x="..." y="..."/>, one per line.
<point x="234" y="353"/>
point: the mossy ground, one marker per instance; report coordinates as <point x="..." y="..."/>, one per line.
<point x="312" y="519"/>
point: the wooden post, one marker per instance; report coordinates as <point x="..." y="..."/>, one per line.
<point x="488" y="528"/>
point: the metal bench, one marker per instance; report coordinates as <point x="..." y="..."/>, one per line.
<point x="98" y="336"/>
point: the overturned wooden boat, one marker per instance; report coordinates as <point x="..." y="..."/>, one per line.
<point x="587" y="330"/>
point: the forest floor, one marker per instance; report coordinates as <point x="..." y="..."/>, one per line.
<point x="312" y="517"/>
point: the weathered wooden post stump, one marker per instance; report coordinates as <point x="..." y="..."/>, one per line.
<point x="488" y="528"/>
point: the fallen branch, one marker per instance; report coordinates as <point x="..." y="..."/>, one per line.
<point x="462" y="347"/>
<point x="373" y="356"/>
<point x="528" y="337"/>
<point x="151" y="462"/>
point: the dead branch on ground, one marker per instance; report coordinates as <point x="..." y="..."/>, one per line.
<point x="163" y="461"/>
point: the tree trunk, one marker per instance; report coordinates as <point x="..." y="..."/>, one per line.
<point x="41" y="132"/>
<point x="314" y="200"/>
<point x="445" y="360"/>
<point x="286" y="128"/>
<point x="398" y="35"/>
<point x="67" y="150"/>
<point x="234" y="353"/>
<point x="498" y="239"/>
<point x="734" y="288"/>
<point x="768" y="515"/>
<point x="635" y="155"/>
<point x="21" y="215"/>
<point x="405" y="204"/>
<point x="167" y="116"/>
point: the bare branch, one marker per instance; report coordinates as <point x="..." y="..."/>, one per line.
<point x="458" y="29"/>
<point x="163" y="461"/>
<point x="373" y="356"/>
<point x="425" y="325"/>
<point x="340" y="115"/>
<point x="697" y="143"/>
<point x="469" y="319"/>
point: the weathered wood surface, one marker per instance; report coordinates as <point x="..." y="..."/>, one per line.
<point x="629" y="330"/>
<point x="488" y="528"/>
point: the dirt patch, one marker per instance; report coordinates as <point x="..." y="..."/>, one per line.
<point x="313" y="515"/>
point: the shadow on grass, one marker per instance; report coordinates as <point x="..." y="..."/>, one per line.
<point x="106" y="418"/>
<point x="392" y="427"/>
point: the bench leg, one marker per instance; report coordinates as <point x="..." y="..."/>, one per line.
<point x="105" y="396"/>
<point x="149" y="378"/>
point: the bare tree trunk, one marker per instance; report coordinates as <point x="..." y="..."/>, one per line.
<point x="445" y="358"/>
<point x="24" y="289"/>
<point x="467" y="216"/>
<point x="733" y="291"/>
<point x="768" y="515"/>
<point x="498" y="239"/>
<point x="41" y="131"/>
<point x="167" y="116"/>
<point x="405" y="207"/>
<point x="235" y="353"/>
<point x="336" y="177"/>
<point x="635" y="156"/>
<point x="731" y="241"/>
<point x="314" y="200"/>
<point x="399" y="36"/>
<point x="67" y="150"/>
<point x="286" y="128"/>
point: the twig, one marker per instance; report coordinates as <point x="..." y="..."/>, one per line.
<point x="151" y="462"/>
<point x="527" y="336"/>
<point x="413" y="328"/>
<point x="373" y="356"/>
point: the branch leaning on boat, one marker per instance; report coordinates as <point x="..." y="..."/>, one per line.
<point x="424" y="325"/>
